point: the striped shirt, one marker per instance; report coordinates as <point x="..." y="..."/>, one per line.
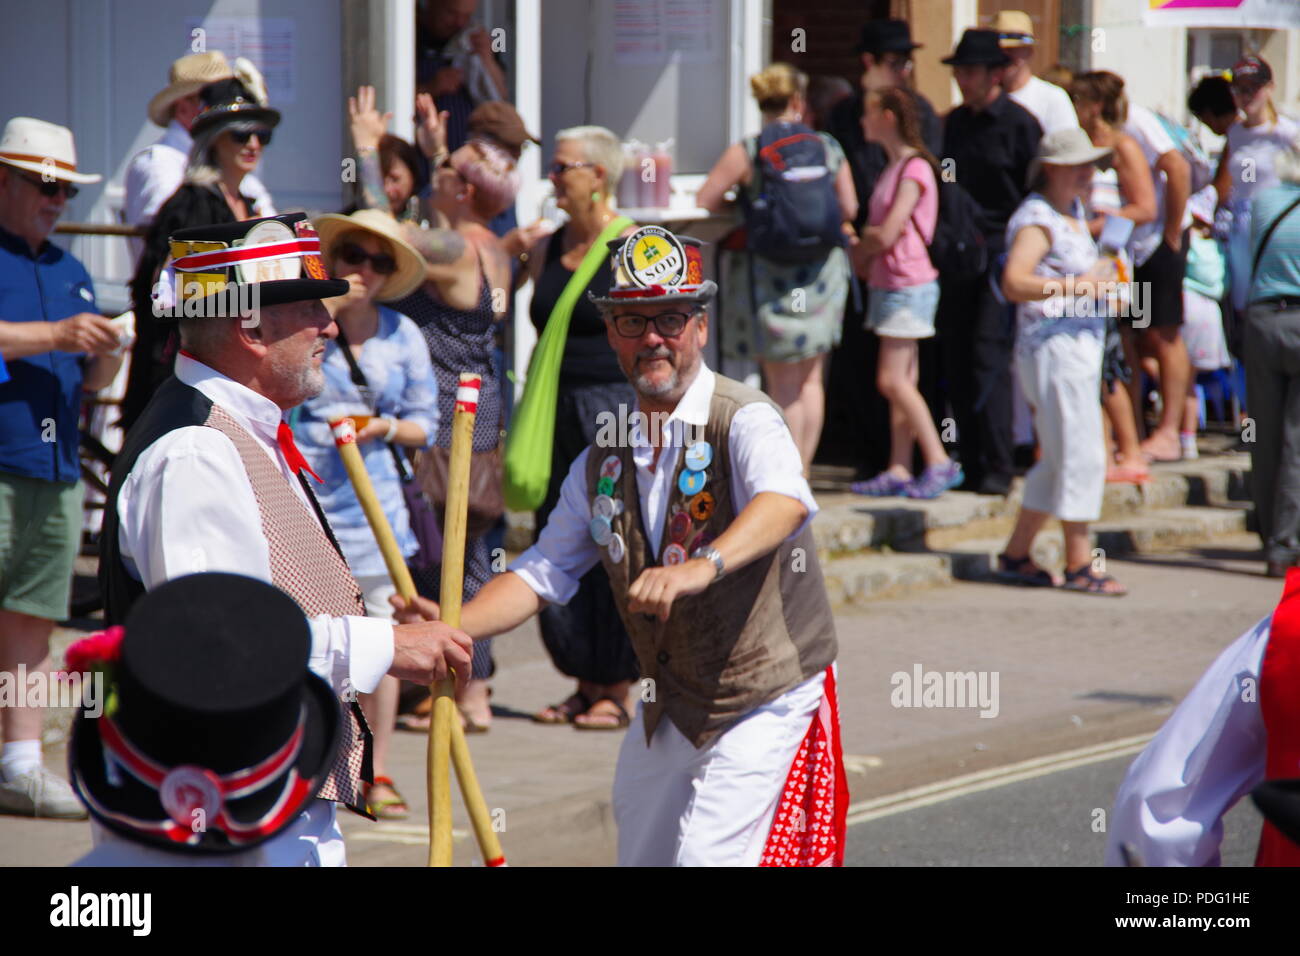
<point x="1278" y="275"/>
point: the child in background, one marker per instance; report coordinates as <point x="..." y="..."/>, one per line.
<point x="1203" y="287"/>
<point x="904" y="295"/>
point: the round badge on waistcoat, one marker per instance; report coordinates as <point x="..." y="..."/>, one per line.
<point x="699" y="456"/>
<point x="701" y="506"/>
<point x="601" y="531"/>
<point x="679" y="526"/>
<point x="611" y="467"/>
<point x="674" y="554"/>
<point x="617" y="549"/>
<point x="603" y="507"/>
<point x="605" y="487"/>
<point x="692" y="482"/>
<point x="187" y="790"/>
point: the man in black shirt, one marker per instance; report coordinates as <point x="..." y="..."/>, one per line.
<point x="988" y="143"/>
<point x="857" y="416"/>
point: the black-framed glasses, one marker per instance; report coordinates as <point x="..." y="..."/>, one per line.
<point x="243" y="136"/>
<point x="668" y="324"/>
<point x="51" y="188"/>
<point x="559" y="169"/>
<point x="381" y="262"/>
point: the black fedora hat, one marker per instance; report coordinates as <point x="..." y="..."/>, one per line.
<point x="886" y="36"/>
<point x="228" y="269"/>
<point x="978" y="48"/>
<point x="215" y="735"/>
<point x="229" y="100"/>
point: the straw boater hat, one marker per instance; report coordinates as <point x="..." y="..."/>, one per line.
<point x="279" y="255"/>
<point x="410" y="264"/>
<point x="187" y="76"/>
<point x="1069" y="146"/>
<point x="654" y="267"/>
<point x="215" y="735"/>
<point x="1014" y="29"/>
<point x="41" y="147"/>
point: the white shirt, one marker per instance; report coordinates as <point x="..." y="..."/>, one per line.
<point x="1049" y="103"/>
<point x="157" y="171"/>
<point x="1145" y="127"/>
<point x="1253" y="150"/>
<point x="187" y="506"/>
<point x="763" y="458"/>
<point x="1207" y="756"/>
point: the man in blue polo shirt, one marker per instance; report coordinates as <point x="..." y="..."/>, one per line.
<point x="53" y="345"/>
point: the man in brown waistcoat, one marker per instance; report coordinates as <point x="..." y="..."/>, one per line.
<point x="209" y="479"/>
<point x="696" y="504"/>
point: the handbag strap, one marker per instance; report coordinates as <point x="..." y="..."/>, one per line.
<point x="1268" y="234"/>
<point x="404" y="471"/>
<point x="557" y="324"/>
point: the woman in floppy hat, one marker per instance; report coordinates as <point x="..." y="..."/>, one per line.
<point x="229" y="136"/>
<point x="1056" y="277"/>
<point x="397" y="408"/>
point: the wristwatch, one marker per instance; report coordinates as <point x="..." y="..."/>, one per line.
<point x="712" y="554"/>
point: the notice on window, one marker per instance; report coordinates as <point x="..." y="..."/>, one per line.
<point x="267" y="41"/>
<point x="652" y="32"/>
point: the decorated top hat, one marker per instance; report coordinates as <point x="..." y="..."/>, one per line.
<point x="654" y="267"/>
<point x="228" y="100"/>
<point x="886" y="36"/>
<point x="220" y="268"/>
<point x="215" y="735"/>
<point x="978" y="48"/>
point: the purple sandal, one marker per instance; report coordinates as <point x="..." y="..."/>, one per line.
<point x="884" y="485"/>
<point x="935" y="480"/>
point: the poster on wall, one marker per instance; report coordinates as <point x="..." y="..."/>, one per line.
<point x="653" y="32"/>
<point x="1244" y="14"/>
<point x="267" y="41"/>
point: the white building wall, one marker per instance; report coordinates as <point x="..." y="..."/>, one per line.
<point x="1152" y="60"/>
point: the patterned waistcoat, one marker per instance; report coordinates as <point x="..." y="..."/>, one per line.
<point x="306" y="562"/>
<point x="742" y="642"/>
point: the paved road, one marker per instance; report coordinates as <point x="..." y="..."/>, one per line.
<point x="1046" y="821"/>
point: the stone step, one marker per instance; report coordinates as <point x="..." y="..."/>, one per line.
<point x="856" y="580"/>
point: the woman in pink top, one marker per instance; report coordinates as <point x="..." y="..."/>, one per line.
<point x="904" y="292"/>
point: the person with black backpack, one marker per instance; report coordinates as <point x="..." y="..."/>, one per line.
<point x="786" y="273"/>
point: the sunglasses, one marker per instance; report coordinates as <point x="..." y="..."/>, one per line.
<point x="263" y="136"/>
<point x="559" y="169"/>
<point x="667" y="324"/>
<point x="51" y="189"/>
<point x="381" y="262"/>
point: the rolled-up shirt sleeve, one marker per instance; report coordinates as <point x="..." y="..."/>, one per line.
<point x="764" y="458"/>
<point x="1206" y="757"/>
<point x="564" y="551"/>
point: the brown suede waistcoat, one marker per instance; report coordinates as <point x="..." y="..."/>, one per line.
<point x="745" y="640"/>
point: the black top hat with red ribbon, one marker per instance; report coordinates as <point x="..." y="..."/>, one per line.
<point x="654" y="267"/>
<point x="215" y="735"/>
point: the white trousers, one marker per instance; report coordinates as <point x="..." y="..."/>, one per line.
<point x="1062" y="381"/>
<point x="678" y="806"/>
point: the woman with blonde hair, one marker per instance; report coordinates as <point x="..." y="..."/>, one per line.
<point x="785" y="309"/>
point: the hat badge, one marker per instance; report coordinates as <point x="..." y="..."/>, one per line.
<point x="191" y="795"/>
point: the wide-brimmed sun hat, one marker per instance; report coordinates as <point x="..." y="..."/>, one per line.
<point x="1069" y="146"/>
<point x="1014" y="29"/>
<point x="41" y="147"/>
<point x="187" y="76"/>
<point x="410" y="264"/>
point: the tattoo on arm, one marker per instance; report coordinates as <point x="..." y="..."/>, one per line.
<point x="438" y="246"/>
<point x="371" y="181"/>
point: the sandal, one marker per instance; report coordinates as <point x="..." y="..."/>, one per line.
<point x="621" y="718"/>
<point x="469" y="725"/>
<point x="1123" y="475"/>
<point x="393" y="808"/>
<point x="1087" y="581"/>
<point x="564" y="712"/>
<point x="1023" y="572"/>
<point x="884" y="485"/>
<point x="417" y="721"/>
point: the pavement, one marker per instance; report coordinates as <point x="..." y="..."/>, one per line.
<point x="1072" y="672"/>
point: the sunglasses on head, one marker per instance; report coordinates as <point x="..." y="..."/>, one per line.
<point x="381" y="262"/>
<point x="51" y="188"/>
<point x="263" y="136"/>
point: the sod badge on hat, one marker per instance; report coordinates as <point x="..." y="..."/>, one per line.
<point x="653" y="266"/>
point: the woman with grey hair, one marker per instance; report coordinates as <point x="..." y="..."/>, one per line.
<point x="229" y="136"/>
<point x="585" y="638"/>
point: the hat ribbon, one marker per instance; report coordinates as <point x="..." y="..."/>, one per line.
<point x="223" y="258"/>
<point x="31" y="158"/>
<point x="651" y="291"/>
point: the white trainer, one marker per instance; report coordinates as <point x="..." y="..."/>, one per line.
<point x="40" y="793"/>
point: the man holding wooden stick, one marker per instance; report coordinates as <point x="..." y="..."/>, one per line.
<point x="209" y="479"/>
<point x="734" y="755"/>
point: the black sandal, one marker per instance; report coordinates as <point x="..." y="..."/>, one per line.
<point x="566" y="712"/>
<point x="1022" y="572"/>
<point x="1085" y="580"/>
<point x="622" y="715"/>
